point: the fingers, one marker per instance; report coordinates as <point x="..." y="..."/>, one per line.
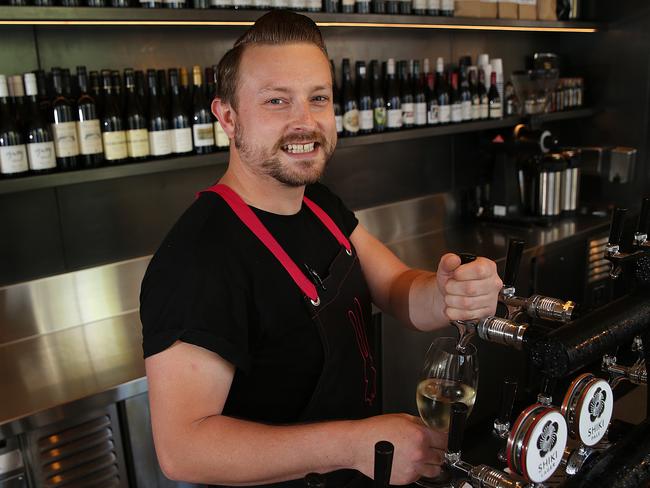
<point x="448" y="264"/>
<point x="479" y="269"/>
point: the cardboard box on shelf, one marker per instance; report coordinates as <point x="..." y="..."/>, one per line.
<point x="528" y="9"/>
<point x="489" y="9"/>
<point x="467" y="8"/>
<point x="508" y="9"/>
<point x="547" y="9"/>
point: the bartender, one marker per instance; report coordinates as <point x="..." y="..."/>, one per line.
<point x="255" y="308"/>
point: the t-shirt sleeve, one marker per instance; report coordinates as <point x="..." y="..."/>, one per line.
<point x="333" y="206"/>
<point x="194" y="299"/>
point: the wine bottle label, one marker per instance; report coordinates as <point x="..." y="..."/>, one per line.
<point x="181" y="140"/>
<point x="298" y="4"/>
<point x="421" y="113"/>
<point x="496" y="112"/>
<point x="419" y="4"/>
<point x="484" y="109"/>
<point x="348" y="3"/>
<point x="114" y="145"/>
<point x="241" y="3"/>
<point x="380" y="116"/>
<point x="433" y="4"/>
<point x="366" y="121"/>
<point x="444" y="113"/>
<point x="394" y="118"/>
<point x="315" y="5"/>
<point x="456" y="112"/>
<point x="476" y="109"/>
<point x="351" y="120"/>
<point x="90" y="136"/>
<point x="160" y="142"/>
<point x="13" y="159"/>
<point x="467" y="110"/>
<point x="280" y="3"/>
<point x="203" y="135"/>
<point x="137" y="143"/>
<point x="41" y="155"/>
<point x="220" y="135"/>
<point x="339" y="123"/>
<point x="447" y="5"/>
<point x="433" y="115"/>
<point x="408" y="114"/>
<point x="65" y="139"/>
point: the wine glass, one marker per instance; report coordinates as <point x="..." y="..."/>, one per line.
<point x="449" y="375"/>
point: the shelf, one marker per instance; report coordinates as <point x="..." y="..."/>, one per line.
<point x="70" y="16"/>
<point x="26" y="183"/>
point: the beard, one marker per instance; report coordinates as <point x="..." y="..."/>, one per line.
<point x="266" y="161"/>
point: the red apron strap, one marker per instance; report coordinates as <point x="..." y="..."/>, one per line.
<point x="248" y="217"/>
<point x="329" y="223"/>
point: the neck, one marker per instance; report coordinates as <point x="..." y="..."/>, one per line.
<point x="261" y="191"/>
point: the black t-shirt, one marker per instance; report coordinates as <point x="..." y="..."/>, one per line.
<point x="212" y="283"/>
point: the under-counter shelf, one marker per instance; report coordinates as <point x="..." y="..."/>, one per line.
<point x="216" y="17"/>
<point x="14" y="185"/>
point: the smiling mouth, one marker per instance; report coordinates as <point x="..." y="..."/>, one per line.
<point x="300" y="148"/>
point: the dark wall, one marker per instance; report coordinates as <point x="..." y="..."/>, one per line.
<point x="53" y="230"/>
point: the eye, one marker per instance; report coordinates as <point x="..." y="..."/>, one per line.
<point x="321" y="98"/>
<point x="275" y="101"/>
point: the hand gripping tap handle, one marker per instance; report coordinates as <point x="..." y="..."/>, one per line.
<point x="383" y="463"/>
<point x="466" y="257"/>
<point x="513" y="258"/>
<point x="616" y="230"/>
<point x="507" y="400"/>
<point x="457" y="427"/>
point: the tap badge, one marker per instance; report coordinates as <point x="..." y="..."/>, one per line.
<point x="548" y="438"/>
<point x="597" y="404"/>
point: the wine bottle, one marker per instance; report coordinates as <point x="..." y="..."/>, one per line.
<point x="473" y="90"/>
<point x="117" y="89"/>
<point x="392" y="7"/>
<point x="419" y="96"/>
<point x="366" y="122"/>
<point x="140" y="88"/>
<point x="442" y="93"/>
<point x="419" y="7"/>
<point x="432" y="100"/>
<point x="312" y="5"/>
<point x="393" y="102"/>
<point x="43" y="3"/>
<point x="347" y="6"/>
<point x="362" y="6"/>
<point x="496" y="110"/>
<point x="465" y="95"/>
<point x="433" y="7"/>
<point x="483" y="96"/>
<point x="43" y="98"/>
<point x="40" y="146"/>
<point x="89" y="131"/>
<point x="378" y="101"/>
<point x="174" y="3"/>
<point x="151" y="3"/>
<point x="137" y="135"/>
<point x="93" y="77"/>
<point x="456" y="102"/>
<point x="96" y="3"/>
<point x="17" y="98"/>
<point x="332" y="6"/>
<point x="13" y="154"/>
<point x="178" y="118"/>
<point x="112" y="124"/>
<point x="221" y="4"/>
<point x="336" y="102"/>
<point x="160" y="142"/>
<point x="405" y="7"/>
<point x="220" y="136"/>
<point x="64" y="126"/>
<point x="185" y="89"/>
<point x="378" y="6"/>
<point x="163" y="92"/>
<point x="202" y="128"/>
<point x="70" y="3"/>
<point x="350" y="108"/>
<point x="406" y="95"/>
<point x="447" y="8"/>
<point x="118" y="3"/>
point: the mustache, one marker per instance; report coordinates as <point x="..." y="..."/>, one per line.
<point x="302" y="137"/>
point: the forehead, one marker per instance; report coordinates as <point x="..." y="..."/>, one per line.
<point x="285" y="64"/>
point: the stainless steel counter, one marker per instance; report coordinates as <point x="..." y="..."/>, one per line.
<point x="51" y="369"/>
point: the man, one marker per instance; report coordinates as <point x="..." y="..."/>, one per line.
<point x="254" y="308"/>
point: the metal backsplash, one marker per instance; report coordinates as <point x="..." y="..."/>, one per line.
<point x="81" y="297"/>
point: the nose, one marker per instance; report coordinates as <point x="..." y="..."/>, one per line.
<point x="303" y="116"/>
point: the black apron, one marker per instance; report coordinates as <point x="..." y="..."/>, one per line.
<point x="341" y="309"/>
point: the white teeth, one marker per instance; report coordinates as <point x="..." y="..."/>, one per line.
<point x="299" y="148"/>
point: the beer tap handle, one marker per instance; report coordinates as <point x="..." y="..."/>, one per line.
<point x="616" y="230"/>
<point x="507" y="400"/>
<point x="545" y="396"/>
<point x="466" y="257"/>
<point x="383" y="463"/>
<point x="456" y="428"/>
<point x="642" y="227"/>
<point x="513" y="258"/>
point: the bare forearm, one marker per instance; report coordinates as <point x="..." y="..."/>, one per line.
<point x="224" y="450"/>
<point x="414" y="300"/>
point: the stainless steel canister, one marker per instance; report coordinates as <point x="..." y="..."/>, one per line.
<point x="570" y="181"/>
<point x="549" y="185"/>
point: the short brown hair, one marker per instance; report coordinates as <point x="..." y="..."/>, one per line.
<point x="273" y="28"/>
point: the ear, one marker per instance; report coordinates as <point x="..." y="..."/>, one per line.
<point x="226" y="115"/>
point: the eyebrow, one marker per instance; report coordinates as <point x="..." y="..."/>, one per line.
<point x="283" y="89"/>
